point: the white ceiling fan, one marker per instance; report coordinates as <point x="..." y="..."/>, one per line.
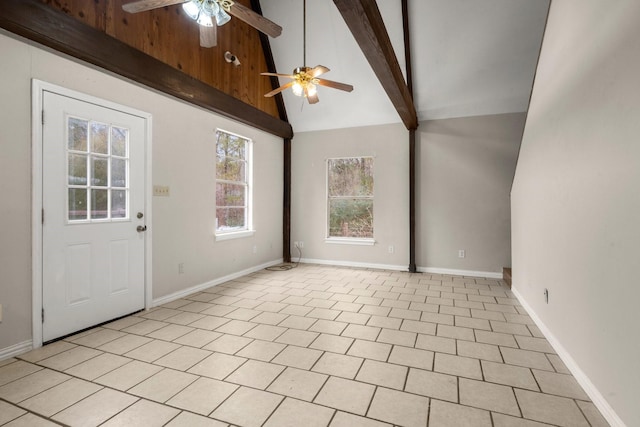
<point x="209" y="14"/>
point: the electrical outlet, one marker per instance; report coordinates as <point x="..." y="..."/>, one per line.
<point x="391" y="249"/>
<point x="255" y="249"/>
<point x="295" y="245"/>
<point x="181" y="268"/>
<point x="461" y="253"/>
<point x="301" y="244"/>
<point x="161" y="190"/>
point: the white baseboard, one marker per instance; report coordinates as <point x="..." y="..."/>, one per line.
<point x="355" y="264"/>
<point x="197" y="288"/>
<point x="594" y="394"/>
<point x="448" y="271"/>
<point x="16" y="349"/>
<point x="452" y="272"/>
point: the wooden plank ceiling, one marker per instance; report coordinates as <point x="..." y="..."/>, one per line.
<point x="168" y="35"/>
<point x="158" y="48"/>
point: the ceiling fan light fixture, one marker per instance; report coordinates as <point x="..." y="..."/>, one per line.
<point x="311" y="90"/>
<point x="192" y="9"/>
<point x="297" y="89"/>
<point x="204" y="11"/>
<point x="222" y="17"/>
<point x="210" y="7"/>
<point x="304" y="83"/>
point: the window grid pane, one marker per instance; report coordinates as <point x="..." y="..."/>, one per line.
<point x="77" y="204"/>
<point x="351" y="218"/>
<point x="230" y="195"/>
<point x="229" y="169"/>
<point x="231" y="219"/>
<point x="78" y="133"/>
<point x="99" y="138"/>
<point x="351" y="177"/>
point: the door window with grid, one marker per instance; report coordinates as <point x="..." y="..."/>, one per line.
<point x="233" y="183"/>
<point x="97" y="171"/>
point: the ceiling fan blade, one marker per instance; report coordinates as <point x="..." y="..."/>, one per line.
<point x="208" y="36"/>
<point x="280" y="89"/>
<point x="335" y="85"/>
<point x="142" y="5"/>
<point x="313" y="99"/>
<point x="319" y="70"/>
<point x="258" y="22"/>
<point x="278" y="75"/>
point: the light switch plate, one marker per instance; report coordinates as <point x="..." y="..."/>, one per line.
<point x="161" y="190"/>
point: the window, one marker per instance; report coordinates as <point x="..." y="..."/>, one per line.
<point x="350" y="198"/>
<point x="97" y="171"/>
<point x="233" y="185"/>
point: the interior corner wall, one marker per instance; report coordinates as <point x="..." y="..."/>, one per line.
<point x="576" y="198"/>
<point x="389" y="145"/>
<point x="464" y="177"/>
<point x="183" y="158"/>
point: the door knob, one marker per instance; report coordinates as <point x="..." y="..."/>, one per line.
<point x="141" y="228"/>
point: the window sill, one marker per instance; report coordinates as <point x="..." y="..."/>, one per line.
<point x="234" y="235"/>
<point x="349" y="241"/>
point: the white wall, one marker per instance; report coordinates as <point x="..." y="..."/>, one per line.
<point x="464" y="175"/>
<point x="389" y="144"/>
<point x="576" y="197"/>
<point x="183" y="158"/>
<point x="465" y="171"/>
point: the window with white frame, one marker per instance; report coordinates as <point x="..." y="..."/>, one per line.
<point x="233" y="184"/>
<point x="350" y="198"/>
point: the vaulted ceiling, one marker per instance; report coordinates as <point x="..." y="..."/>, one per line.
<point x="470" y="58"/>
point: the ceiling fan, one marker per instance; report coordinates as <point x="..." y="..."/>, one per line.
<point x="209" y="14"/>
<point x="305" y="79"/>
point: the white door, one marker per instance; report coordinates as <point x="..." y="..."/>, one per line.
<point x="93" y="220"/>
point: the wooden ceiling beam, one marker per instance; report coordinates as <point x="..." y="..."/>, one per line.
<point x="286" y="146"/>
<point x="44" y="24"/>
<point x="365" y="22"/>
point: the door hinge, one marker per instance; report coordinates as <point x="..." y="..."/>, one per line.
<point x="43" y="315"/>
<point x="43" y="117"/>
<point x="43" y="216"/>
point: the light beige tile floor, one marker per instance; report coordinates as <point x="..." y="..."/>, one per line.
<point x="314" y="346"/>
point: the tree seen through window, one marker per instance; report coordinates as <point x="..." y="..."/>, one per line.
<point x="232" y="184"/>
<point x="350" y="197"/>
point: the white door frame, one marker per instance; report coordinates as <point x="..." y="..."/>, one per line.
<point x="38" y="88"/>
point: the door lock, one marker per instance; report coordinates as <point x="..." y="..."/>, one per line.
<point x="140" y="215"/>
<point x="141" y="228"/>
